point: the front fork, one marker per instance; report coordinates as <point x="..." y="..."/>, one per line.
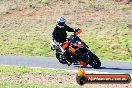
<point x="84" y="59"/>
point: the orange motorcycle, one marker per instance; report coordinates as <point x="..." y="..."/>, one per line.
<point x="74" y="50"/>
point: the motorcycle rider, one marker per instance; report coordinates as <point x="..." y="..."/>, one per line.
<point x="59" y="32"/>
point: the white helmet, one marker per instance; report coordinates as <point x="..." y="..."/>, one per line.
<point x="60" y="21"/>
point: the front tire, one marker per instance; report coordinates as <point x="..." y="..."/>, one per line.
<point x="94" y="61"/>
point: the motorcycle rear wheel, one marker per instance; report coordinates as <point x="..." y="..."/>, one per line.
<point x="61" y="58"/>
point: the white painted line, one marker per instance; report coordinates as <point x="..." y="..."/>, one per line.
<point x="95" y="72"/>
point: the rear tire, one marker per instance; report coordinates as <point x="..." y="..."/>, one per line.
<point x="94" y="61"/>
<point x="61" y="58"/>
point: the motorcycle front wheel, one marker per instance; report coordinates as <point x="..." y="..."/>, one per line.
<point x="94" y="61"/>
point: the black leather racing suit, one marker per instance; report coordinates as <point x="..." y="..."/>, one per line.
<point x="59" y="33"/>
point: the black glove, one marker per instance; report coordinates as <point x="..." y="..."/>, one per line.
<point x="76" y="30"/>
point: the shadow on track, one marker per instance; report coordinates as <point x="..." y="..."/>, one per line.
<point x="116" y="68"/>
<point x="104" y="68"/>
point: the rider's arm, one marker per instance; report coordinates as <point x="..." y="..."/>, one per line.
<point x="69" y="29"/>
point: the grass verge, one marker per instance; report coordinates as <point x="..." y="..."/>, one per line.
<point x="26" y="85"/>
<point x="107" y="28"/>
<point x="19" y="71"/>
<point x="26" y="77"/>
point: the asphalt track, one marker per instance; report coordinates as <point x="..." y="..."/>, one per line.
<point x="50" y="62"/>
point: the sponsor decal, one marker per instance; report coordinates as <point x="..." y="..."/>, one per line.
<point x="83" y="78"/>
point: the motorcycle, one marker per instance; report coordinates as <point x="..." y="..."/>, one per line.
<point x="74" y="50"/>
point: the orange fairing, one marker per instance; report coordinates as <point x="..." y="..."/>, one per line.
<point x="79" y="31"/>
<point x="65" y="45"/>
<point x="72" y="50"/>
<point x="77" y="45"/>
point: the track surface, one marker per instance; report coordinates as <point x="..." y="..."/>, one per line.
<point x="107" y="66"/>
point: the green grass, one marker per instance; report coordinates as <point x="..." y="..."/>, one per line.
<point x="113" y="47"/>
<point x="26" y="85"/>
<point x="109" y="34"/>
<point x="13" y="71"/>
<point x="25" y="38"/>
<point x="7" y="5"/>
<point x="106" y="5"/>
<point x="42" y="1"/>
<point x="19" y="71"/>
<point x="32" y="40"/>
<point x="110" y="37"/>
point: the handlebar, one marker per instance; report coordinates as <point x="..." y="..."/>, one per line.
<point x="77" y="31"/>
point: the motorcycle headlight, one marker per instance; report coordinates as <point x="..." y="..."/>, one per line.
<point x="79" y="43"/>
